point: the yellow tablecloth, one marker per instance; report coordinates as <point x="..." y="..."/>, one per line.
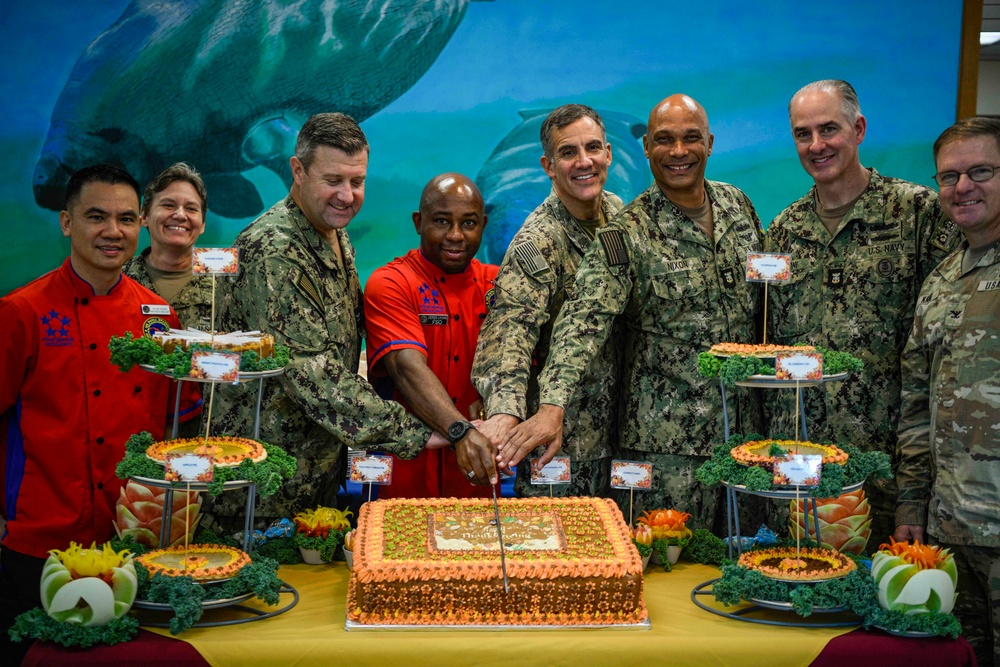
<point x="681" y="634"/>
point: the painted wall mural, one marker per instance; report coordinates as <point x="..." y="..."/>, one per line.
<point x="442" y="85"/>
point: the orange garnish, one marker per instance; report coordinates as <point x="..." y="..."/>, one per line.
<point x="924" y="556"/>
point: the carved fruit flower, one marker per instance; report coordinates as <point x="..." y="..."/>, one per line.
<point x="349" y="540"/>
<point x="643" y="534"/>
<point x="320" y="521"/>
<point x="844" y="522"/>
<point x="915" y="578"/>
<point x="88" y="586"/>
<point x="667" y="524"/>
<point x="140" y="514"/>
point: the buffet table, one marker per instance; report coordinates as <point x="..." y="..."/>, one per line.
<point x="681" y="634"/>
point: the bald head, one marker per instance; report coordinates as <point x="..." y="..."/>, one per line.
<point x="442" y="184"/>
<point x="679" y="104"/>
<point x="450" y="222"/>
<point x="678" y="143"/>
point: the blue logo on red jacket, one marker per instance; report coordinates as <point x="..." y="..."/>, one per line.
<point x="55" y="330"/>
<point x="430" y="301"/>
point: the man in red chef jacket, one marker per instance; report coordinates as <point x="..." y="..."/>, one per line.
<point x="423" y="312"/>
<point x="65" y="410"/>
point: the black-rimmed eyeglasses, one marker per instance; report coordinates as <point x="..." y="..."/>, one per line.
<point x="978" y="174"/>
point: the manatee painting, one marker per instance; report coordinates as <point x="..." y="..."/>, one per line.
<point x="226" y="84"/>
<point x="513" y="182"/>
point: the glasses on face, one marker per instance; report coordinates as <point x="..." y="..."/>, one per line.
<point x="978" y="174"/>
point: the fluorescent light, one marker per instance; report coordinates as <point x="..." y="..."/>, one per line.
<point x="987" y="38"/>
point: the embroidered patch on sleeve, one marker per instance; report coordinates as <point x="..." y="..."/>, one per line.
<point x="530" y="258"/>
<point x="613" y="241"/>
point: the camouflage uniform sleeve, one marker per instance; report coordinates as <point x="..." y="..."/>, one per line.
<point x="317" y="379"/>
<point x="937" y="236"/>
<point x="510" y="333"/>
<point x="913" y="476"/>
<point x="603" y="284"/>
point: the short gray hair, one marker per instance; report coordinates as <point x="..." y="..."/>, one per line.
<point x="849" y="104"/>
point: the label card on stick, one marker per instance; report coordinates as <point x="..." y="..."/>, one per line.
<point x="372" y="469"/>
<point x="798" y="366"/>
<point x="217" y="366"/>
<point x="189" y="468"/>
<point x="217" y="261"/>
<point x="766" y="267"/>
<point x="556" y="471"/>
<point x="798" y="470"/>
<point x="631" y="474"/>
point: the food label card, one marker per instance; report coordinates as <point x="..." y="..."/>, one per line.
<point x="631" y="474"/>
<point x="372" y="469"/>
<point x="188" y="468"/>
<point x="556" y="471"/>
<point x="216" y="366"/>
<point x="798" y="470"/>
<point x="219" y="261"/>
<point x="766" y="267"/>
<point x="798" y="366"/>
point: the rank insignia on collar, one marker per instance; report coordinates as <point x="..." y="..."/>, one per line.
<point x="613" y="241"/>
<point x="835" y="277"/>
<point x="530" y="258"/>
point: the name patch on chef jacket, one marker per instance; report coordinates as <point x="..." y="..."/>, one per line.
<point x="155" y="309"/>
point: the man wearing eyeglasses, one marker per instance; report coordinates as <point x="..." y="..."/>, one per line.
<point x="861" y="245"/>
<point x="949" y="431"/>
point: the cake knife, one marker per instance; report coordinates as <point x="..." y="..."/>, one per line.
<point x="503" y="560"/>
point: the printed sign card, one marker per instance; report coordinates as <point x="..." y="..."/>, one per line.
<point x="218" y="261"/>
<point x="215" y="366"/>
<point x="767" y="267"/>
<point x="372" y="469"/>
<point x="798" y="366"/>
<point x="556" y="471"/>
<point x="189" y="468"/>
<point x="631" y="474"/>
<point x="798" y="470"/>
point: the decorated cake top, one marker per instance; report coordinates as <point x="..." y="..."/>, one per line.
<point x="237" y="341"/>
<point x="544" y="538"/>
<point x="202" y="562"/>
<point x="224" y="450"/>
<point x="756" y="349"/>
<point x="758" y="452"/>
<point x="787" y="564"/>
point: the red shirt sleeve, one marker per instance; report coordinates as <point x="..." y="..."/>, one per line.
<point x="391" y="317"/>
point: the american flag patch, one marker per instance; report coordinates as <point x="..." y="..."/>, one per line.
<point x="613" y="241"/>
<point x="530" y="258"/>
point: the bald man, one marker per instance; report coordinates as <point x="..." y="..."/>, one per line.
<point x="423" y="313"/>
<point x="671" y="267"/>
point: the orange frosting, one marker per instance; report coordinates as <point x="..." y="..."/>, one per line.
<point x="202" y="562"/>
<point x="225" y="450"/>
<point x="586" y="571"/>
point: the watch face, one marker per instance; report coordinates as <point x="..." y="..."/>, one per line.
<point x="458" y="430"/>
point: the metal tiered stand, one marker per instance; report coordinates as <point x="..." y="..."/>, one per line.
<point x="232" y="604"/>
<point x="733" y="516"/>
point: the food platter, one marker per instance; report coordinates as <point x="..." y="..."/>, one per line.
<point x="772" y="382"/>
<point x="245" y="376"/>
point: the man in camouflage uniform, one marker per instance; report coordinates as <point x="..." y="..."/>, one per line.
<point x="861" y="244"/>
<point x="537" y="275"/>
<point x="949" y="430"/>
<point x="671" y="268"/>
<point x="173" y="210"/>
<point x="298" y="281"/>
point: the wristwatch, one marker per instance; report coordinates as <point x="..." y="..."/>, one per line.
<point x="458" y="430"/>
